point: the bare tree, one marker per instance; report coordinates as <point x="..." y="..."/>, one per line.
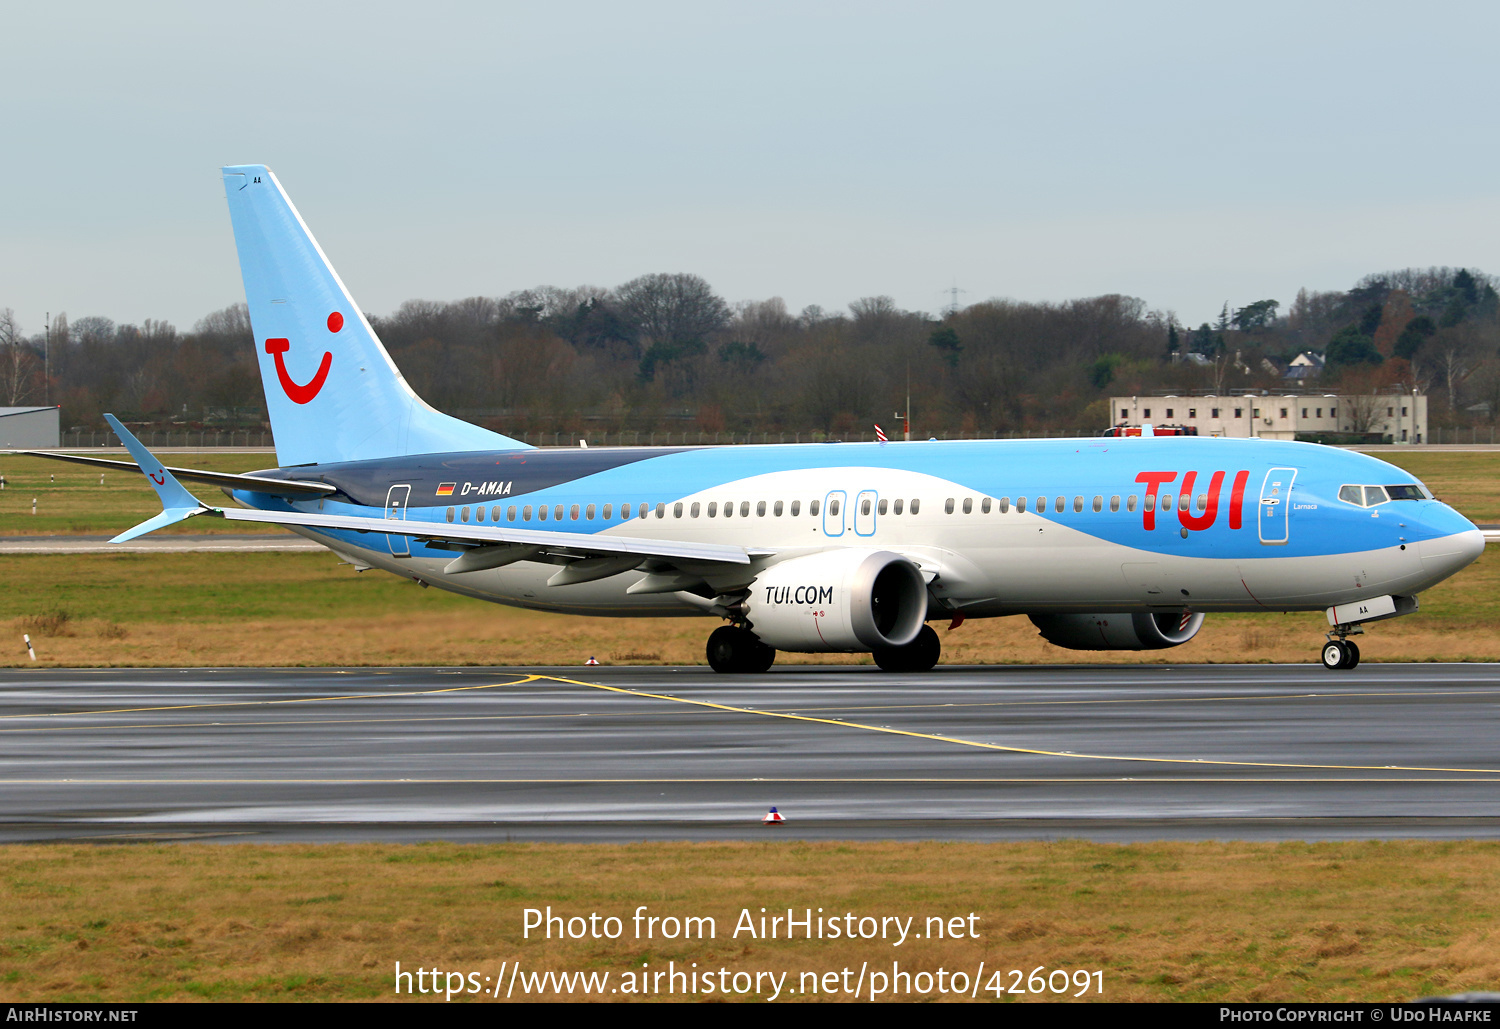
<point x="674" y="315"/>
<point x="20" y="368"/>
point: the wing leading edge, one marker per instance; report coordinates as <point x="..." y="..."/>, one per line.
<point x="178" y="504"/>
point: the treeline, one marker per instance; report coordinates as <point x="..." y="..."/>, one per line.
<point x="665" y="352"/>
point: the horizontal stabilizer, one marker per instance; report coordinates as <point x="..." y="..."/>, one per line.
<point x="255" y="483"/>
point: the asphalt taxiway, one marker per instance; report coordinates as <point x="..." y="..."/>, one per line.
<point x="1104" y="752"/>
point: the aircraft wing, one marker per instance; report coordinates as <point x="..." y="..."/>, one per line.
<point x="478" y="535"/>
<point x="178" y="504"/>
<point x="258" y="483"/>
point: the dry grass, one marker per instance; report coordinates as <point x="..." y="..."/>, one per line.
<point x="307" y="609"/>
<point x="1164" y="921"/>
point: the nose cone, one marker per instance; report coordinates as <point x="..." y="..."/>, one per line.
<point x="1447" y="554"/>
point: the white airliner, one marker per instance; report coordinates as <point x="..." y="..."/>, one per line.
<point x="1106" y="544"/>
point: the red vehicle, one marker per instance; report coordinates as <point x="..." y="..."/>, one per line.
<point x="1156" y="430"/>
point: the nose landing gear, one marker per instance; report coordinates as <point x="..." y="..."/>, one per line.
<point x="1341" y="652"/>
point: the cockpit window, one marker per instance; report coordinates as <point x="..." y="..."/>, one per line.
<point x="1370" y="496"/>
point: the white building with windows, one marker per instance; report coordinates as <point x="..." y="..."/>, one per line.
<point x="1400" y="417"/>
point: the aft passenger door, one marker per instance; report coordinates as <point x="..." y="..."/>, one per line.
<point x="395" y="509"/>
<point x="1276" y="506"/>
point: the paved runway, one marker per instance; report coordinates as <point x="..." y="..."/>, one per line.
<point x="1109" y="753"/>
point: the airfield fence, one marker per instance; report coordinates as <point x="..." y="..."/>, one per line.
<point x="79" y="439"/>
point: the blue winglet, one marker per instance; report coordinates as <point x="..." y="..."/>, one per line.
<point x="177" y="503"/>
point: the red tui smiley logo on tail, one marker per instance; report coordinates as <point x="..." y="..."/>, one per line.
<point x="295" y="391"/>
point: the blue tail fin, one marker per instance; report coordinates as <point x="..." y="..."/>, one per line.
<point x="332" y="391"/>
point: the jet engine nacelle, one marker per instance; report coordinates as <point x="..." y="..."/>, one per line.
<point x="1154" y="631"/>
<point x="838" y="600"/>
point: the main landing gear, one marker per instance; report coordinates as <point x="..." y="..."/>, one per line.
<point x="732" y="649"/>
<point x="1341" y="652"/>
<point x="920" y="655"/>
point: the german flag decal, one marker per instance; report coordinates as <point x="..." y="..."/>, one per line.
<point x="445" y="489"/>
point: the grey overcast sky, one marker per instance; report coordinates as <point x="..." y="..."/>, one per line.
<point x="1188" y="154"/>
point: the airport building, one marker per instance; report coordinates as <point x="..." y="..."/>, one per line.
<point x="29" y="428"/>
<point x="1396" y="417"/>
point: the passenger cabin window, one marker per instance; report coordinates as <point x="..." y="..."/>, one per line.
<point x="695" y="509"/>
<point x="797" y="507"/>
<point x="645" y="510"/>
<point x="1098" y="504"/>
<point x="916" y="505"/>
<point x="760" y="509"/>
<point x="450" y="514"/>
<point x="776" y="509"/>
<point x="557" y="513"/>
<point x="661" y="510"/>
<point x="880" y="508"/>
<point x="479" y="514"/>
<point x="948" y="506"/>
<point x="573" y="513"/>
<point x="812" y="508"/>
<point x="510" y="513"/>
<point x="984" y="506"/>
<point x="864" y="506"/>
<point x="590" y="511"/>
<point x="896" y="507"/>
<point x="1077" y="505"/>
<point x="624" y="512"/>
<point x="1005" y="505"/>
<point x="745" y="508"/>
<point x="1020" y="505"/>
<point x="1114" y="503"/>
<point x="608" y="511"/>
<point x="1130" y="503"/>
<point x="677" y="510"/>
<point x="968" y="505"/>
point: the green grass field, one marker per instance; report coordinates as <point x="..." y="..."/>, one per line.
<point x="71" y="501"/>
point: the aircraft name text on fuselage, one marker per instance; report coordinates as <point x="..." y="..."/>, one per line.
<point x="487" y="489"/>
